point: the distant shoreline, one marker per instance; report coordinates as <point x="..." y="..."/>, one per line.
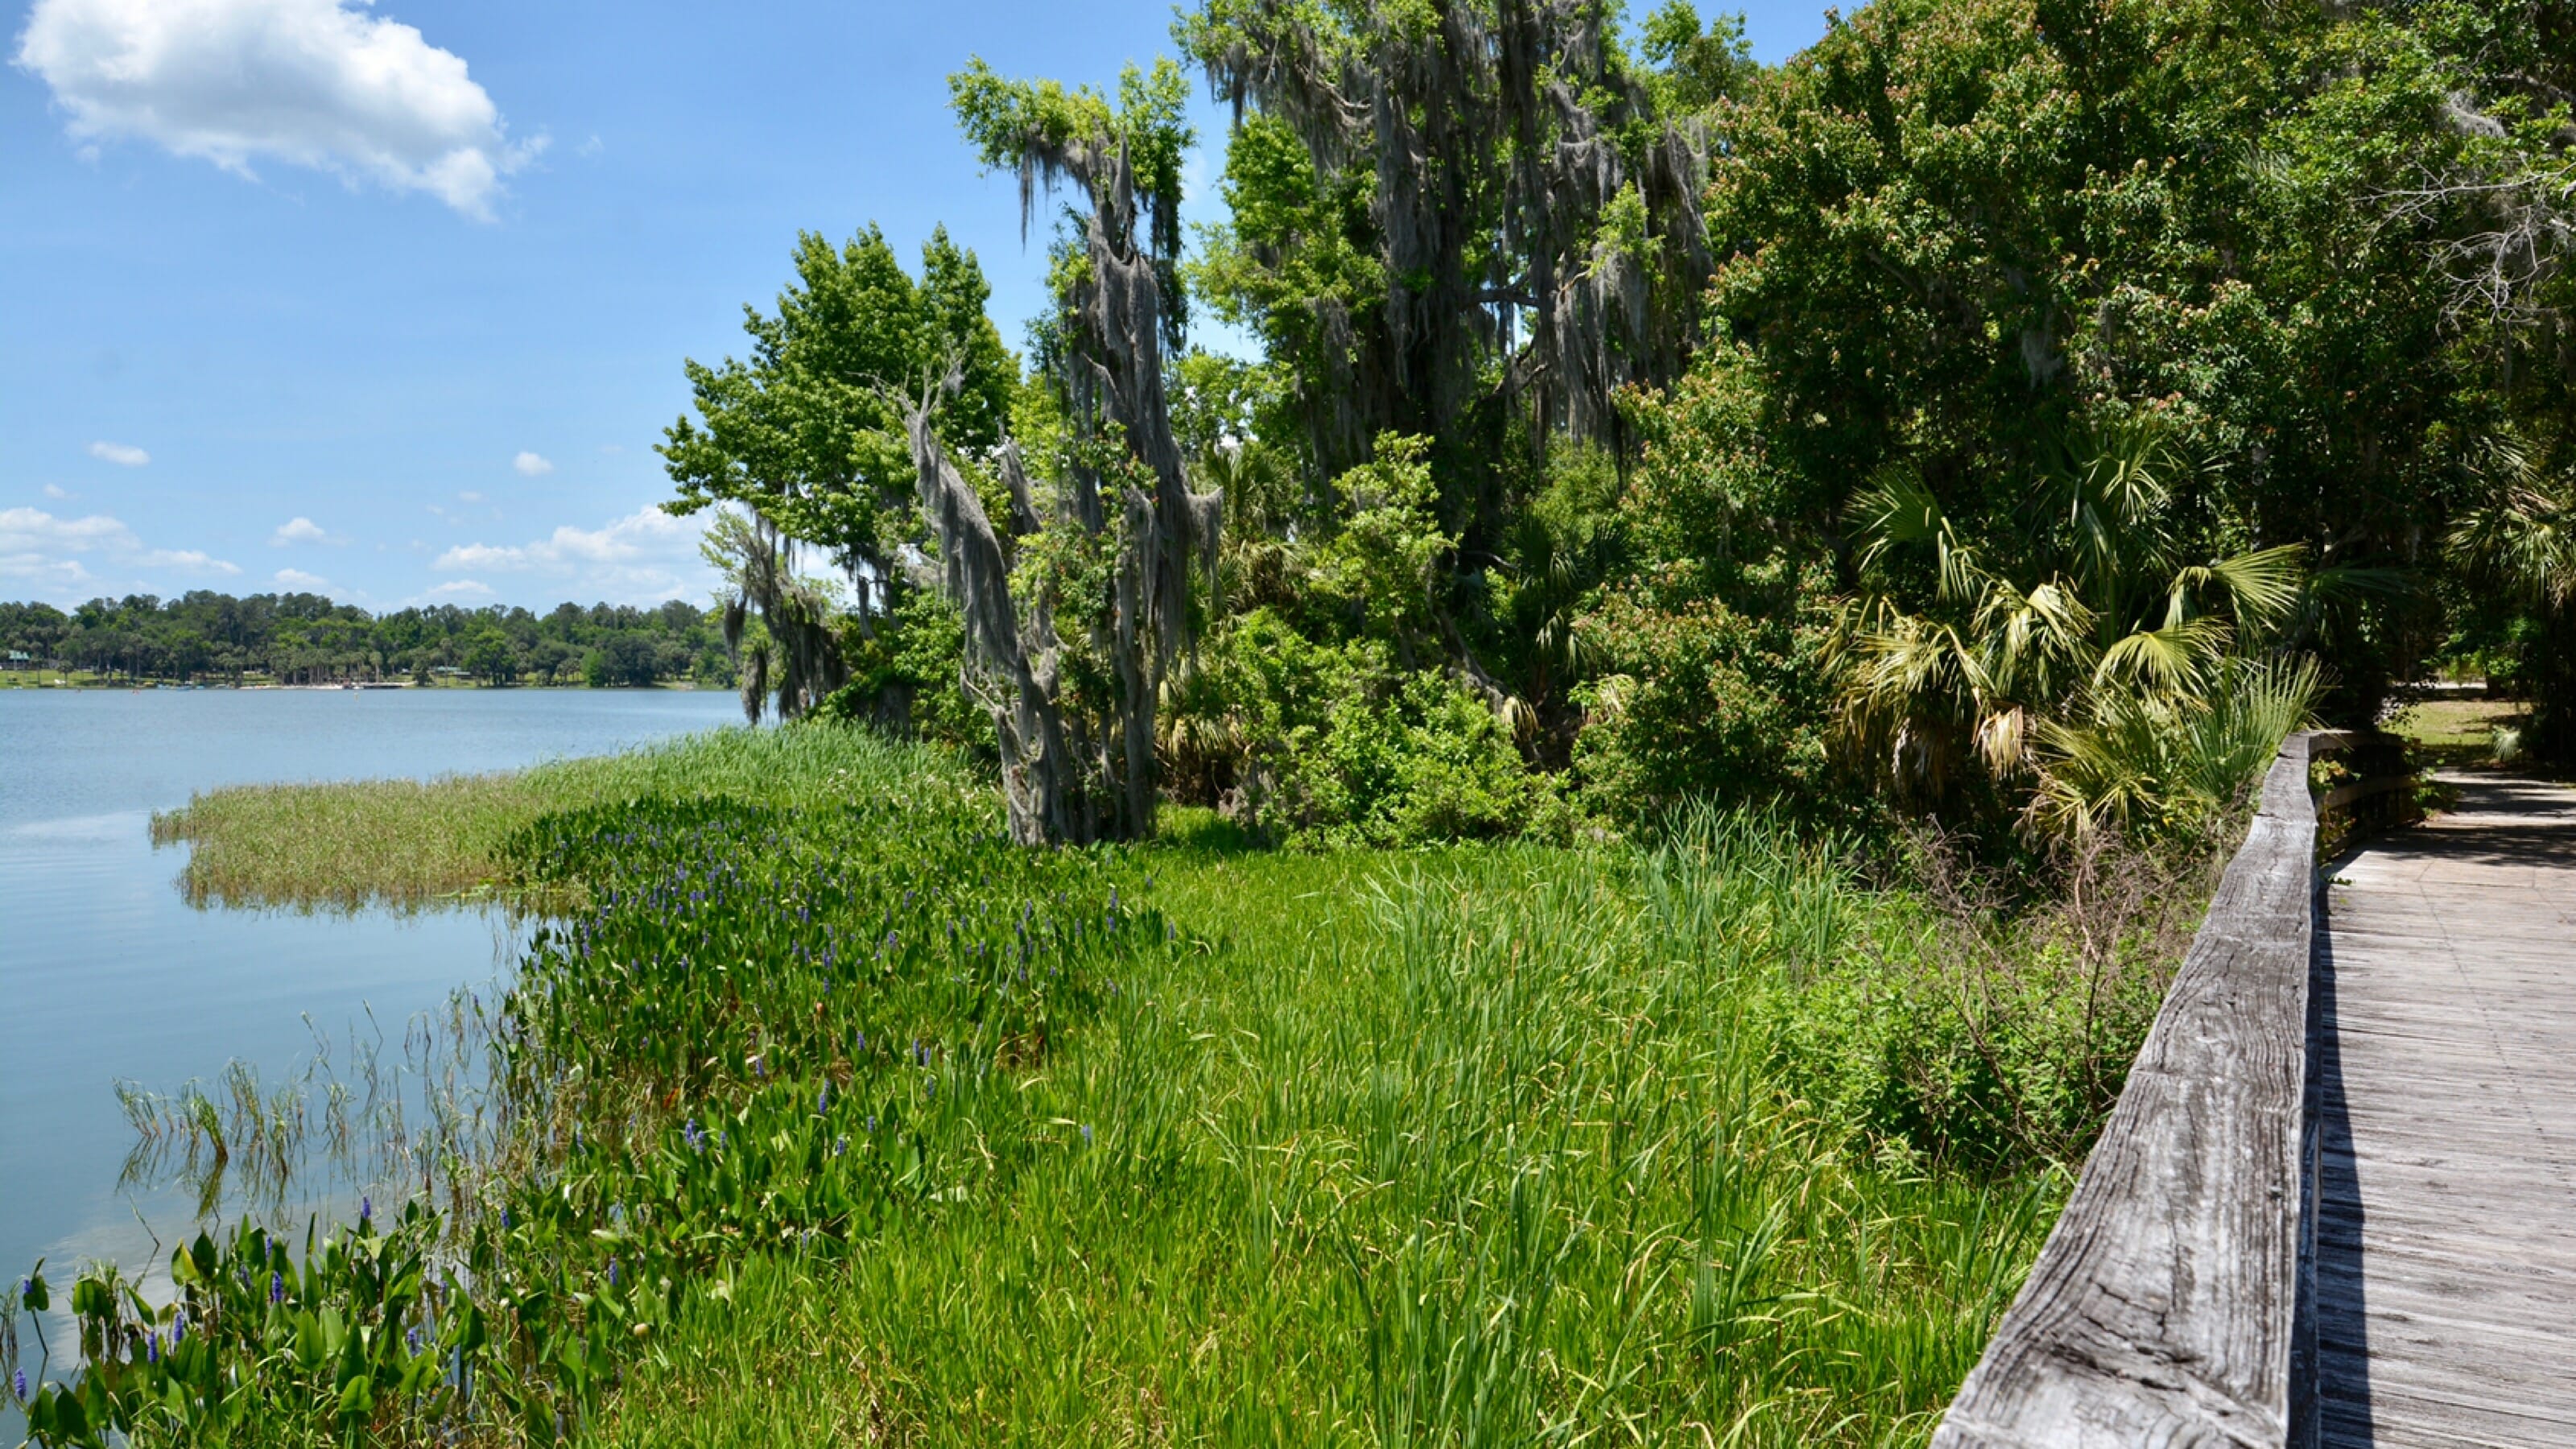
<point x="115" y="686"/>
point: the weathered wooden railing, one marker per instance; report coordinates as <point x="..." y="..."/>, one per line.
<point x="2164" y="1307"/>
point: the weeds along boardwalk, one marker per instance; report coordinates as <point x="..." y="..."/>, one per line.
<point x="2446" y="1053"/>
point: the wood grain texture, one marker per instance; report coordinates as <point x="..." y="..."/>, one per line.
<point x="2160" y="1311"/>
<point x="2446" y="1061"/>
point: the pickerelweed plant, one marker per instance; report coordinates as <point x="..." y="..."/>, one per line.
<point x="754" y="1028"/>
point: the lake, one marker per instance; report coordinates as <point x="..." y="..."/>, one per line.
<point x="107" y="974"/>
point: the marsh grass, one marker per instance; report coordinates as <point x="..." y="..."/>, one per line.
<point x="821" y="1112"/>
<point x="409" y="844"/>
<point x="1464" y="1147"/>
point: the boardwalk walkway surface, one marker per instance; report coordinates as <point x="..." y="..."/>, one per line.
<point x="2445" y="1003"/>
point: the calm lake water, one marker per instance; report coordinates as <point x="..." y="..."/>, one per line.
<point x="106" y="973"/>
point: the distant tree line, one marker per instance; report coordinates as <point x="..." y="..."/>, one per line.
<point x="308" y="639"/>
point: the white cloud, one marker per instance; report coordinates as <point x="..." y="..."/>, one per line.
<point x="648" y="554"/>
<point x="469" y="496"/>
<point x="57" y="491"/>
<point x="531" y="465"/>
<point x="187" y="560"/>
<point x="299" y="579"/>
<point x="34" y="528"/>
<point x="318" y="83"/>
<point x="48" y="552"/>
<point x="123" y="455"/>
<point x="460" y="589"/>
<point x="300" y="529"/>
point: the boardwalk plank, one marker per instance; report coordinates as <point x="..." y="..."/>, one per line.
<point x="2446" y="1223"/>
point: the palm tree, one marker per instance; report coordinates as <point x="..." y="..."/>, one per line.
<point x="2522" y="541"/>
<point x="2100" y="636"/>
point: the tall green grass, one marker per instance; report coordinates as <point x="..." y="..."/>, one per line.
<point x="1474" y="1147"/>
<point x="830" y="1114"/>
<point x="405" y="844"/>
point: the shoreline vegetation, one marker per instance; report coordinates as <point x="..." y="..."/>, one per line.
<point x="105" y="683"/>
<point x="1571" y="854"/>
<point x="205" y="638"/>
<point x="816" y="1102"/>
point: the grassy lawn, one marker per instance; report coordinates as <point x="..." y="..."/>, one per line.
<point x="2457" y="732"/>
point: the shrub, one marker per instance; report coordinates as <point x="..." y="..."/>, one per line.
<point x="1336" y="744"/>
<point x="1702" y="702"/>
<point x="1978" y="1031"/>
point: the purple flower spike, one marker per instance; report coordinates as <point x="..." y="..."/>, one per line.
<point x="276" y="1287"/>
<point x="366" y="1207"/>
<point x="22" y="1385"/>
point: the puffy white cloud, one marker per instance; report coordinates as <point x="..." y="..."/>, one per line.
<point x="300" y="529"/>
<point x="123" y="455"/>
<point x="33" y="529"/>
<point x="455" y="589"/>
<point x="532" y="465"/>
<point x="299" y="579"/>
<point x="56" y="491"/>
<point x="48" y="552"/>
<point x="318" y="83"/>
<point x="648" y="554"/>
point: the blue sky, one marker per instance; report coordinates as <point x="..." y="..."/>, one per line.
<point x="389" y="301"/>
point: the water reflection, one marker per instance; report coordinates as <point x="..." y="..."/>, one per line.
<point x="361" y="1039"/>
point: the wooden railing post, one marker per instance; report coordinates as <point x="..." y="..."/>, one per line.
<point x="2163" y="1307"/>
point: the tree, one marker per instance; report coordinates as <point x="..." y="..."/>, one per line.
<point x="791" y="659"/>
<point x="804" y="437"/>
<point x="1460" y="211"/>
<point x="488" y="657"/>
<point x="1117" y="552"/>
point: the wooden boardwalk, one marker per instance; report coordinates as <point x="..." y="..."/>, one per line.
<point x="2444" y="1000"/>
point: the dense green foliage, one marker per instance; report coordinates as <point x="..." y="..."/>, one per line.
<point x="1807" y="558"/>
<point x="822" y="1102"/>
<point x="1981" y="413"/>
<point x="307" y="639"/>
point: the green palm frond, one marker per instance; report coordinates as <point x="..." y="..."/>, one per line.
<point x="2262" y="586"/>
<point x="2108" y="498"/>
<point x="2033" y="644"/>
<point x="2141" y="763"/>
<point x="1895" y="510"/>
<point x="2525" y="539"/>
<point x="2173" y="661"/>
